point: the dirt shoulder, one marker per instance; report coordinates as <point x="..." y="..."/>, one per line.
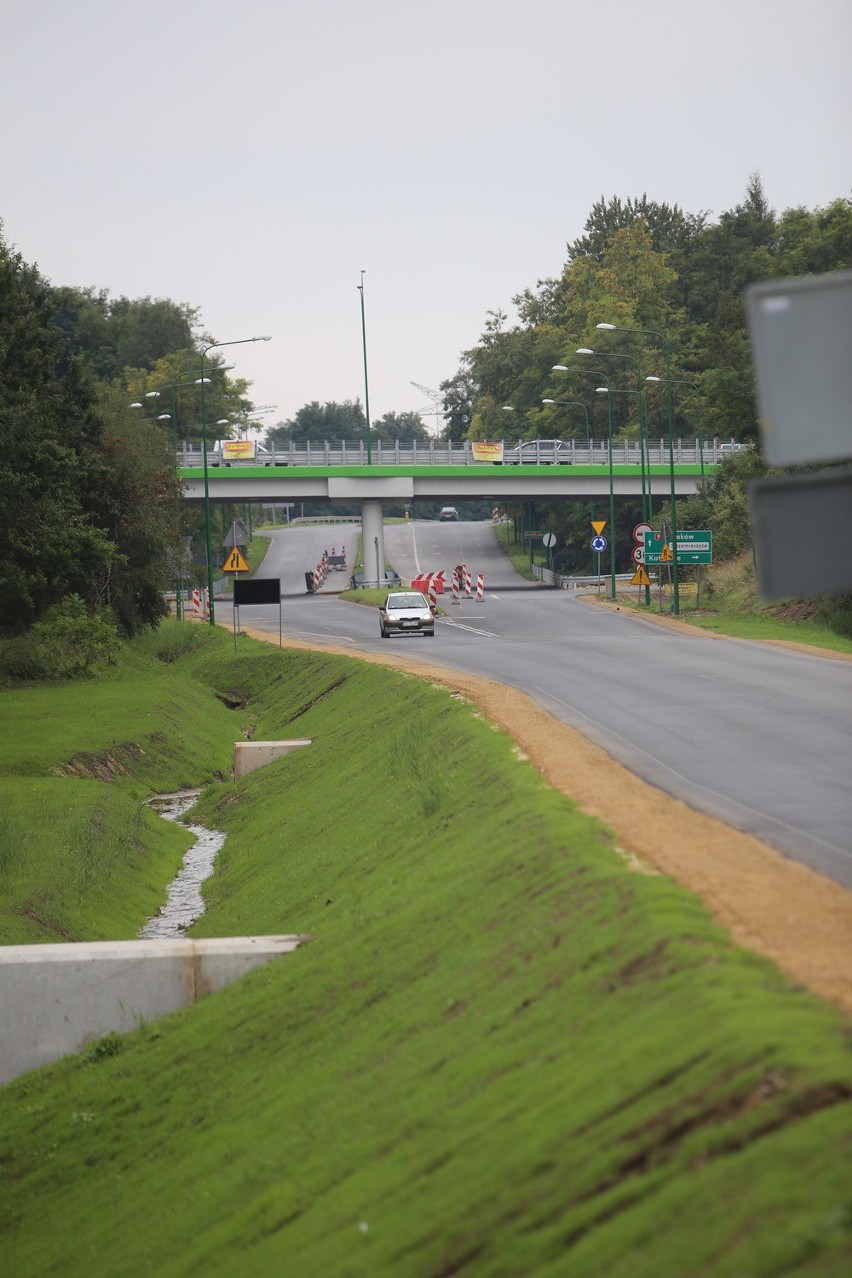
<point x="769" y="903"/>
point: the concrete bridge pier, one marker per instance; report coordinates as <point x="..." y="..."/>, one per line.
<point x="373" y="537"/>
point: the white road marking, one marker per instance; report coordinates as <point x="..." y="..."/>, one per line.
<point x="696" y="785"/>
<point x="459" y="625"/>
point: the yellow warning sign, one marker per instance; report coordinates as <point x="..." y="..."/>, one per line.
<point x="235" y="562"/>
<point x="598" y="525"/>
<point x="640" y="577"/>
<point x="666" y="555"/>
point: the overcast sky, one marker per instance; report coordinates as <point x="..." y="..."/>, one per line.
<point x="251" y="159"/>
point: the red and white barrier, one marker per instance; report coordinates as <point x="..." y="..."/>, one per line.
<point x="426" y="580"/>
<point x="455" y="587"/>
<point x="201" y="603"/>
<point x="480" y="586"/>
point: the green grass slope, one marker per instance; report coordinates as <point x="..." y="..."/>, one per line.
<point x="502" y="1052"/>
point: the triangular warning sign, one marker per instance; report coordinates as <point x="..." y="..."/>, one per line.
<point x="598" y="525"/>
<point x="640" y="577"/>
<point x="666" y="555"/>
<point x="235" y="562"/>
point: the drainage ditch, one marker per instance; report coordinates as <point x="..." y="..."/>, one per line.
<point x="184" y="902"/>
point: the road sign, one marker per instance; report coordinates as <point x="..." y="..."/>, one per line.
<point x="549" y="539"/>
<point x="694" y="546"/>
<point x="639" y="533"/>
<point x="599" y="544"/>
<point x="638" y="553"/>
<point x="640" y="577"/>
<point x="598" y="525"/>
<point x="235" y="562"/>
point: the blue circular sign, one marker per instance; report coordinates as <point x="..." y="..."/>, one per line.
<point x="599" y="544"/>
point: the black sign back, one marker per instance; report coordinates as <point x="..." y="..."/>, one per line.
<point x="261" y="590"/>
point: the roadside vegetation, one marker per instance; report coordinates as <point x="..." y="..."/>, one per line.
<point x="503" y="1050"/>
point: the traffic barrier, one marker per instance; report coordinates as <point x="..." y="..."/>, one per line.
<point x="455" y="587"/>
<point x="424" y="580"/>
<point x="467" y="583"/>
<point x="480" y="586"/>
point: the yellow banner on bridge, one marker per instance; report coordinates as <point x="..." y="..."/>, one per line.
<point x="486" y="452"/>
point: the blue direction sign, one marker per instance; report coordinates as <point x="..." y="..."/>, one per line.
<point x="599" y="544"/>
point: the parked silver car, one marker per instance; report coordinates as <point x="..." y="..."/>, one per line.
<point x="539" y="452"/>
<point x="406" y="612"/>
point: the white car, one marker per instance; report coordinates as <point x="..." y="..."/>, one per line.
<point x="406" y="612"/>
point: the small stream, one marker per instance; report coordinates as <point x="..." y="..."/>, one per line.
<point x="184" y="903"/>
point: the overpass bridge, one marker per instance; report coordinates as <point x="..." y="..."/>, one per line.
<point x="339" y="472"/>
<point x="401" y="474"/>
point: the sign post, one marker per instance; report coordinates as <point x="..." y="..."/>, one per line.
<point x="694" y="546"/>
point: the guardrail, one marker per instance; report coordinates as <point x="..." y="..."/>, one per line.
<point x="560" y="582"/>
<point x="581" y="453"/>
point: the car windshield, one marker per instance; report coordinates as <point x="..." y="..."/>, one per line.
<point x="406" y="601"/>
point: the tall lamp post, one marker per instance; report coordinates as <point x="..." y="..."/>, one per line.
<point x="209" y="347"/>
<point x="654" y="332"/>
<point x="645" y="472"/>
<point x="679" y="381"/>
<point x="360" y="288"/>
<point x="574" y="403"/>
<point x="604" y="390"/>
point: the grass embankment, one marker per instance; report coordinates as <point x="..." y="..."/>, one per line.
<point x="81" y="856"/>
<point x="730" y="605"/>
<point x="503" y="1052"/>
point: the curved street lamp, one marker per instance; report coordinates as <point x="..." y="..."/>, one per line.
<point x="360" y="288"/>
<point x="679" y="381"/>
<point x="644" y="464"/>
<point x="201" y="381"/>
<point x="574" y="403"/>
<point x="654" y="332"/>
<point x="605" y="390"/>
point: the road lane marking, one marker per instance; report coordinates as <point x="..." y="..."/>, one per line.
<point x="696" y="785"/>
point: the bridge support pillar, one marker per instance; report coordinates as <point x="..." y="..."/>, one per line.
<point x="373" y="538"/>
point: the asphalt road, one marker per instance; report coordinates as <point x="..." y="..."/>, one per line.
<point x="758" y="736"/>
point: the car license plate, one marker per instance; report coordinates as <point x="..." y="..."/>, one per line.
<point x="409" y="625"/>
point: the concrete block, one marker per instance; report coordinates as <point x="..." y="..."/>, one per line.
<point x="249" y="755"/>
<point x="54" y="999"/>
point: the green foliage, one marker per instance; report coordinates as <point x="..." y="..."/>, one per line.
<point x="112" y="335"/>
<point x="646" y="265"/>
<point x="320" y="422"/>
<point x="502" y="1052"/>
<point x="721" y="504"/>
<point x="65" y="644"/>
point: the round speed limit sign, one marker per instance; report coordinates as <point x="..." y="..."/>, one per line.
<point x="638" y="553"/>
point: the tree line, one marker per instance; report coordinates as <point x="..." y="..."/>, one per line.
<point x="89" y="497"/>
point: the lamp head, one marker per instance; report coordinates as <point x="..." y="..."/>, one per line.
<point x="653" y="379"/>
<point x="559" y="368"/>
<point x="583" y="350"/>
<point x="606" y="326"/>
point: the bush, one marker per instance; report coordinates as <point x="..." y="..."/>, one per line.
<point x="64" y="645"/>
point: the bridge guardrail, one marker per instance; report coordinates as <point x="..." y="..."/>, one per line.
<point x="459" y="454"/>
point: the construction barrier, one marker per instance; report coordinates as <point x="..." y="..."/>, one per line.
<point x="480" y="586"/>
<point x="455" y="586"/>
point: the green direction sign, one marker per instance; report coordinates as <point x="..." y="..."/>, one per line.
<point x="694" y="546"/>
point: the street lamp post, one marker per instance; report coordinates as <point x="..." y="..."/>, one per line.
<point x="574" y="403"/>
<point x="604" y="390"/>
<point x="645" y="471"/>
<point x="209" y="347"/>
<point x="360" y="288"/>
<point x="679" y="381"/>
<point x="653" y="332"/>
